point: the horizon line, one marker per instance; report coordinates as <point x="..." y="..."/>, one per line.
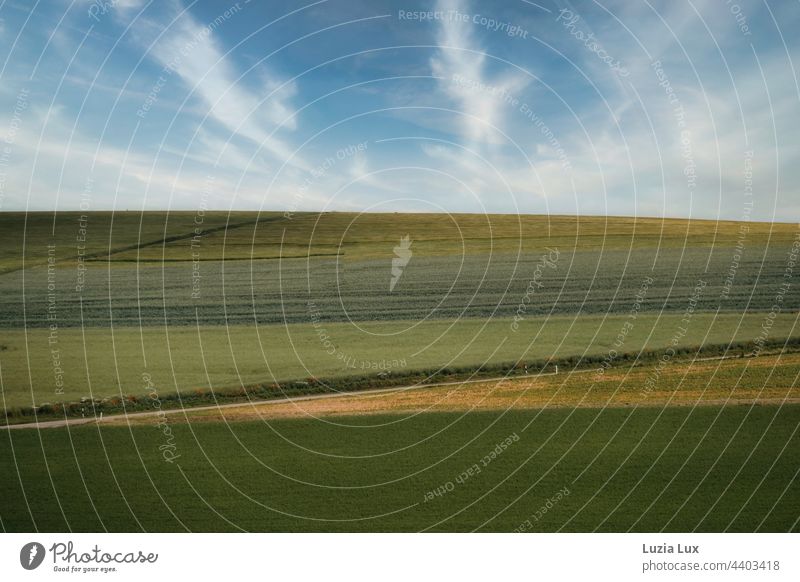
<point x="320" y="212"/>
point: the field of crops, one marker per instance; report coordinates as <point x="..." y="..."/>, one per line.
<point x="673" y="469"/>
<point x="266" y="291"/>
<point x="126" y="236"/>
<point x="126" y="311"/>
<point x="96" y="363"/>
<point x="105" y="298"/>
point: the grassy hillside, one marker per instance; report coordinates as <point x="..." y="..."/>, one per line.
<point x="155" y="306"/>
<point x="354" y="236"/>
<point x="151" y="294"/>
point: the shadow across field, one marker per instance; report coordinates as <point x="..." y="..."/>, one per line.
<point x="676" y="469"/>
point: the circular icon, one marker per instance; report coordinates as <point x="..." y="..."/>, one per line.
<point x="31" y="555"/>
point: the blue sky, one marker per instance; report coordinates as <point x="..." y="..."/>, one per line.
<point x="687" y="109"/>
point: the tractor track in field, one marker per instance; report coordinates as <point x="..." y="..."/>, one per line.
<point x="105" y="254"/>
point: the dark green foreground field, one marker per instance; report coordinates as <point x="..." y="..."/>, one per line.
<point x="674" y="469"/>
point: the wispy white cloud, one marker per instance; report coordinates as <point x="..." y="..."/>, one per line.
<point x="482" y="98"/>
<point x="461" y="64"/>
<point x="190" y="50"/>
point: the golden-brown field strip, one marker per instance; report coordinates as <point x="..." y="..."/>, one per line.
<point x="768" y="379"/>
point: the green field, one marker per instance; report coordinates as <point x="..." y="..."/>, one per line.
<point x="100" y="364"/>
<point x="274" y="266"/>
<point x="147" y="297"/>
<point x="708" y="469"/>
<point x="157" y="235"/>
<point x="117" y="307"/>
